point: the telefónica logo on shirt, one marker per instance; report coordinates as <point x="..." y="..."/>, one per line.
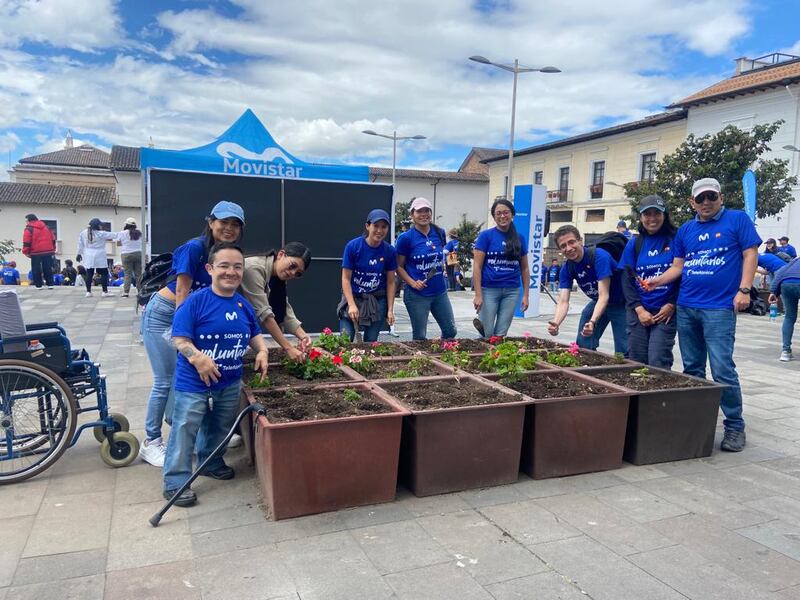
<point x="231" y="316"/>
<point x="703" y="237"/>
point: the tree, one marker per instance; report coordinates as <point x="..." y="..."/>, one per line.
<point x="466" y="234"/>
<point x="6" y="247"/>
<point x="400" y="214"/>
<point x="725" y="156"/>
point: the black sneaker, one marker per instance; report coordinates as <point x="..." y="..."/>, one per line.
<point x="733" y="441"/>
<point x="187" y="497"/>
<point x="222" y="473"/>
<point x="476" y="322"/>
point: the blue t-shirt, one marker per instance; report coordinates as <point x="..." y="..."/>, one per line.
<point x="451" y="246"/>
<point x="789" y="249"/>
<point x="770" y="262"/>
<point x="368" y="264"/>
<point x="712" y="253"/>
<point x="219" y="327"/>
<point x="423" y="253"/>
<point x="499" y="271"/>
<point x="588" y="275"/>
<point x="654" y="258"/>
<point x="10" y="276"/>
<point x="190" y="259"/>
<point x="553" y="272"/>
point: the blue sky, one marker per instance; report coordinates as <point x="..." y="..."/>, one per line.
<point x="318" y="73"/>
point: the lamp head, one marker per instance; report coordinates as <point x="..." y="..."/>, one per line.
<point x="481" y="59"/>
<point x="550" y="70"/>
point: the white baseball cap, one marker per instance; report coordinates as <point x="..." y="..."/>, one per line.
<point x="130" y="221"/>
<point x="707" y="184"/>
<point x="421" y="202"/>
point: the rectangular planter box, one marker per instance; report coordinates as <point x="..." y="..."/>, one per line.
<point x="309" y="467"/>
<point x="424" y="346"/>
<point x="452" y="449"/>
<point x="398" y="362"/>
<point x="592" y="359"/>
<point x="670" y="424"/>
<point x="572" y="435"/>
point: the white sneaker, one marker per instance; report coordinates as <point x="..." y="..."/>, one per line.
<point x="236" y="441"/>
<point x="786" y="356"/>
<point x="88" y="294"/>
<point x="107" y="295"/>
<point x="49" y="287"/>
<point x="153" y="452"/>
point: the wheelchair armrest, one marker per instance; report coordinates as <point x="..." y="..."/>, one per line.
<point x="38" y="335"/>
<point x="40" y="326"/>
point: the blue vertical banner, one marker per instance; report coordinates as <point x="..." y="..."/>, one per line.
<point x="749" y="191"/>
<point x="529" y="204"/>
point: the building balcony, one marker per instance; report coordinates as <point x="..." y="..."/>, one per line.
<point x="596" y="191"/>
<point x="559" y="198"/>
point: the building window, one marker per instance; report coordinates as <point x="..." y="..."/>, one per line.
<point x="563" y="184"/>
<point x="561" y="216"/>
<point x="648" y="164"/>
<point x="598" y="176"/>
<point x="595" y="215"/>
<point x="52" y="225"/>
<point x="538" y="177"/>
<point x="105" y="225"/>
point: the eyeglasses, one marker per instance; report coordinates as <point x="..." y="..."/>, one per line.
<point x="238" y="267"/>
<point x="707" y="196"/>
<point x="502" y="213"/>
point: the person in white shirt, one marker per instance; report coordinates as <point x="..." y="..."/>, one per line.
<point x="92" y="253"/>
<point x="130" y="242"/>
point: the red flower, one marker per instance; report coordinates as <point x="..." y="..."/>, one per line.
<point x="337" y="360"/>
<point x="495" y="339"/>
<point x="314" y="354"/>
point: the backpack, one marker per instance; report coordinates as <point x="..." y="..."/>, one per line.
<point x="612" y="242"/>
<point x="757" y="306"/>
<point x="154" y="277"/>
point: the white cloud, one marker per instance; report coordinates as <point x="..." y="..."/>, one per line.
<point x="8" y="142"/>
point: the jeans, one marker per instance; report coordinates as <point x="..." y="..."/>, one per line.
<point x="451" y="277"/>
<point x="370" y="331"/>
<point x="790" y="294"/>
<point x="193" y="420"/>
<point x="132" y="265"/>
<point x="651" y="345"/>
<point x="156" y="319"/>
<point x="497" y="310"/>
<point x="418" y="307"/>
<point x="711" y="333"/>
<point x="614" y="314"/>
<point x="42" y="264"/>
<point x="553" y="286"/>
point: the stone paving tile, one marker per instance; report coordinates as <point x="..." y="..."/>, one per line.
<point x="501" y="494"/>
<point x="542" y="586"/>
<point x="485" y="551"/>
<point x="437" y="582"/>
<point x="175" y="580"/>
<point x="80" y="588"/>
<point x="430" y="505"/>
<point x="23" y="498"/>
<point x="69" y="565"/>
<point x="601" y="573"/>
<point x="756" y="475"/>
<point x="257" y="572"/>
<point x="779" y="507"/>
<point x="633" y="473"/>
<point x="792" y="593"/>
<point x="695" y="577"/>
<point x="14" y="538"/>
<point x="542" y="488"/>
<point x="225" y="517"/>
<point x="529" y="523"/>
<point x="400" y="546"/>
<point x="332" y="566"/>
<point x="375" y="514"/>
<point x="638" y="504"/>
<point x="789" y="465"/>
<point x="780" y="535"/>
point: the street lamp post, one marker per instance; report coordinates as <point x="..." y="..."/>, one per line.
<point x="394" y="137"/>
<point x="516" y="69"/>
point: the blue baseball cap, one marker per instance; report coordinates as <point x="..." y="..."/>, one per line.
<point x="226" y="210"/>
<point x="378" y="214"/>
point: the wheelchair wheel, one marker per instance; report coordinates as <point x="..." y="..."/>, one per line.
<point x="123" y="452"/>
<point x="38" y="416"/>
<point x="120" y="424"/>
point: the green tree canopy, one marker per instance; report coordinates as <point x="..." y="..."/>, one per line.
<point x="724" y="156"/>
<point x="400" y="214"/>
<point x="466" y="233"/>
<point x="6" y="247"/>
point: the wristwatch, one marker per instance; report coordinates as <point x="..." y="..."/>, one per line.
<point x="744" y="290"/>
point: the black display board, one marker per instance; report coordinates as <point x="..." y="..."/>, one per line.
<point x="324" y="215"/>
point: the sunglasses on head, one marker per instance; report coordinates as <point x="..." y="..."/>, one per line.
<point x="707" y="196"/>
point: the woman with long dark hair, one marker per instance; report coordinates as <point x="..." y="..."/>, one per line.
<point x="188" y="273"/>
<point x="130" y="242"/>
<point x="92" y="252"/>
<point x="650" y="314"/>
<point x="500" y="263"/>
<point x="264" y="286"/>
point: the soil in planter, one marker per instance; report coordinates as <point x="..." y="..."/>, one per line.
<point x="385" y="369"/>
<point x="464" y="345"/>
<point x="548" y="385"/>
<point x="590" y="359"/>
<point x="535" y="343"/>
<point x="313" y="404"/>
<point x="654" y="380"/>
<point x="427" y="395"/>
<point x="473" y="366"/>
<point x="387" y="349"/>
<point x="280" y="378"/>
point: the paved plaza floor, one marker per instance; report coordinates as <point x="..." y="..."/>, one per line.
<point x="725" y="527"/>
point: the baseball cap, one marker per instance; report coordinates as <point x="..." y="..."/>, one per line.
<point x="226" y="210"/>
<point x="130" y="221"/>
<point x="622" y="224"/>
<point x="707" y="184"/>
<point x="378" y="214"/>
<point x="652" y="201"/>
<point x="770" y="241"/>
<point x="95" y="222"/>
<point x="421" y="202"/>
<point x="783" y="238"/>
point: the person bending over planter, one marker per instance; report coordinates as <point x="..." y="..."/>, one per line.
<point x="211" y="330"/>
<point x="264" y="286"/>
<point x="368" y="270"/>
<point x="651" y="322"/>
<point x="420" y="265"/>
<point x="501" y="259"/>
<point x="188" y="273"/>
<point x="787" y="286"/>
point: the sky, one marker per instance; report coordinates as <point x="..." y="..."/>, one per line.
<point x="318" y="73"/>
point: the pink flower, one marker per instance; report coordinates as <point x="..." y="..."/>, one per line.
<point x="355" y="359"/>
<point x="375" y="344"/>
<point x="327" y="331"/>
<point x="526" y="335"/>
<point x="449" y="346"/>
<point x="574" y="349"/>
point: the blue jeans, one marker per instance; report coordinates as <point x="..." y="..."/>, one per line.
<point x="194" y="421"/>
<point x="651" y="345"/>
<point x="156" y="319"/>
<point x="553" y="286"/>
<point x="705" y="333"/>
<point x="497" y="310"/>
<point x="370" y="331"/>
<point x="418" y="307"/>
<point x="614" y="314"/>
<point x="790" y="294"/>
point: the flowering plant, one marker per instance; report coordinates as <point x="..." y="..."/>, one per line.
<point x="496" y="339"/>
<point x="255" y="381"/>
<point x="316" y="366"/>
<point x="381" y="349"/>
<point x="508" y="359"/>
<point x="413" y="368"/>
<point x="357" y="359"/>
<point x="452" y="355"/>
<point x="565" y="358"/>
<point x="332" y="341"/>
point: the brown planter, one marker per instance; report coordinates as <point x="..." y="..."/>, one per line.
<point x="574" y="434"/>
<point x="669" y="424"/>
<point x="452" y="449"/>
<point x="309" y="467"/>
<point x="397" y="362"/>
<point x="599" y="360"/>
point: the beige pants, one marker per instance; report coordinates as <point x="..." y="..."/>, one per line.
<point x="132" y="264"/>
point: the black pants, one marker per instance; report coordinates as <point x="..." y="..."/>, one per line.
<point x="42" y="264"/>
<point x="103" y="279"/>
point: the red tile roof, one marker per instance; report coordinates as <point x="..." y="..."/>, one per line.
<point x="62" y="195"/>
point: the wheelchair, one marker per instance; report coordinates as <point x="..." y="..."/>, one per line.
<point x="44" y="386"/>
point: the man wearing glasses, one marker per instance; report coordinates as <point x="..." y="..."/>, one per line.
<point x="716" y="255"/>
